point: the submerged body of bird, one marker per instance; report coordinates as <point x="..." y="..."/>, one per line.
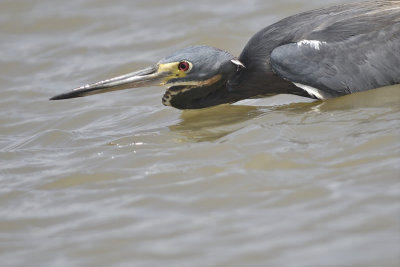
<point x="323" y="53"/>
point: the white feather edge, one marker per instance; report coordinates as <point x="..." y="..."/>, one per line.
<point x="238" y="63"/>
<point x="311" y="91"/>
<point x="315" y="44"/>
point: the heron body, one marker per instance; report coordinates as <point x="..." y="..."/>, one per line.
<point x="321" y="54"/>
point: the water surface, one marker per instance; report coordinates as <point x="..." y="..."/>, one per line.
<point x="121" y="180"/>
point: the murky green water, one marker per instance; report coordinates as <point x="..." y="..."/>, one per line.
<point x="121" y="180"/>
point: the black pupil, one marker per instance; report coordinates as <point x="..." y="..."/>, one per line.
<point x="184" y="66"/>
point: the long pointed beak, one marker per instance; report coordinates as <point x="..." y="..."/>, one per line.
<point x="146" y="77"/>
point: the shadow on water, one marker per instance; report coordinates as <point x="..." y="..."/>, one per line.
<point x="383" y="97"/>
<point x="197" y="126"/>
<point x="214" y="123"/>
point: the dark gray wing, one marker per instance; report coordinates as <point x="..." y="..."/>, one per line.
<point x="358" y="63"/>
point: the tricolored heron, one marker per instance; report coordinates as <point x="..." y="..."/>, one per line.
<point x="323" y="53"/>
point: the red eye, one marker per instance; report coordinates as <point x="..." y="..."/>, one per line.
<point x="183" y="66"/>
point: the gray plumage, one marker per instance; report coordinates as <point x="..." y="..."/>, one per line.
<point x="358" y="49"/>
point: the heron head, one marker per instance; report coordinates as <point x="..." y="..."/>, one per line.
<point x="193" y="77"/>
